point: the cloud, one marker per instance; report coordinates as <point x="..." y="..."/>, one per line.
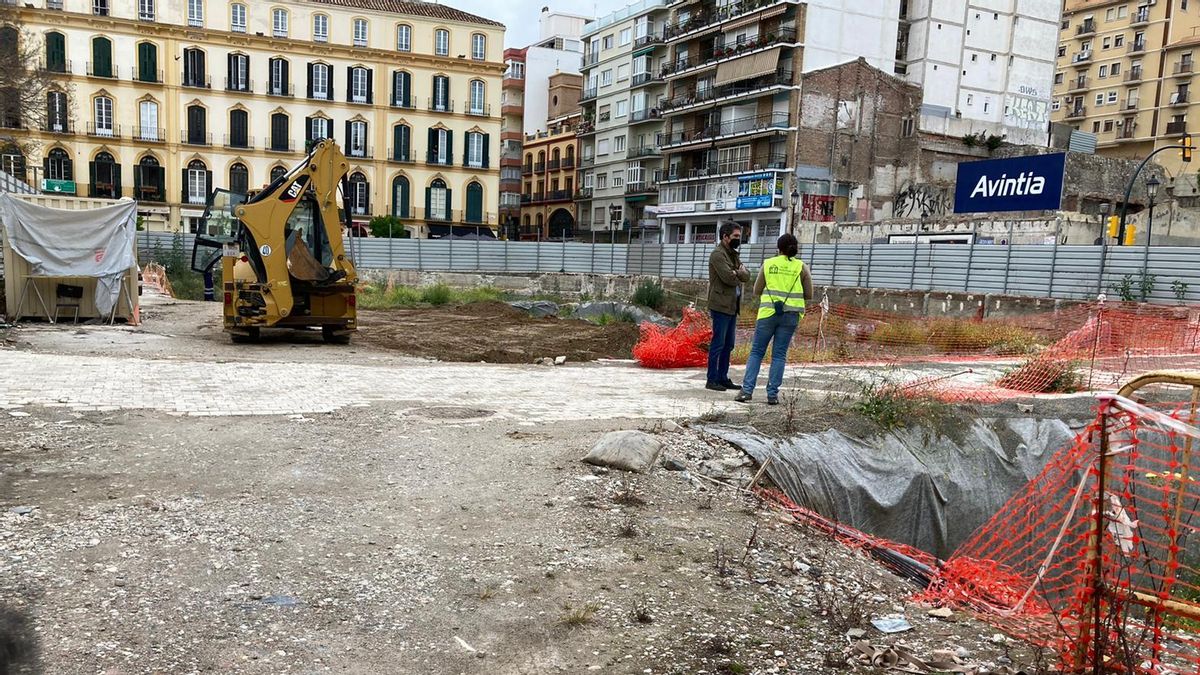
<point x="520" y="17"/>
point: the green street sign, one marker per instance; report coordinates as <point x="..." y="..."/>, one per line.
<point x="58" y="186"/>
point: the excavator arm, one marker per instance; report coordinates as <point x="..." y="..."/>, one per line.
<point x="265" y="218"/>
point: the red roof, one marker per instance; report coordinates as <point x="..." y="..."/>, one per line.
<point x="426" y="9"/>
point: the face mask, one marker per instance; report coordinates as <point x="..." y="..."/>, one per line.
<point x="735" y="243"/>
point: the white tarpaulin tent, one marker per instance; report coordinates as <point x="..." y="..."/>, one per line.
<point x="57" y="243"/>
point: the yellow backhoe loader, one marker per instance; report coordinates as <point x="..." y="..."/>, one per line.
<point x="283" y="263"/>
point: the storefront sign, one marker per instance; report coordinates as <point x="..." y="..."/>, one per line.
<point x="681" y="207"/>
<point x="756" y="191"/>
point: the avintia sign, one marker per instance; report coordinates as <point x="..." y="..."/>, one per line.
<point x="1033" y="183"/>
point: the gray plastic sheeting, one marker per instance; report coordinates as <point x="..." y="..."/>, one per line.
<point x="931" y="493"/>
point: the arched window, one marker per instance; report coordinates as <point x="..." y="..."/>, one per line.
<point x="527" y="220"/>
<point x="56" y="52"/>
<point x="276" y="172"/>
<point x="356" y="138"/>
<point x="237" y="17"/>
<point x="147" y="62"/>
<point x="441" y="94"/>
<point x="476" y="106"/>
<point x="148" y="180"/>
<point x="477" y="150"/>
<point x="441" y="42"/>
<point x="478" y="46"/>
<point x="554" y="155"/>
<point x="102" y="60"/>
<point x="528" y="162"/>
<point x="279" y="23"/>
<point x="359" y="194"/>
<point x="280" y="139"/>
<point x="401" y="89"/>
<point x="58" y="165"/>
<point x="404" y="38"/>
<point x="360" y="85"/>
<point x="402" y="143"/>
<point x="278" y="82"/>
<point x="401" y="197"/>
<point x="437" y="200"/>
<point x="148" y="129"/>
<point x="56" y="112"/>
<point x="360" y="33"/>
<point x="239" y="178"/>
<point x="320" y="28"/>
<point x="195" y="15"/>
<point x="539" y="221"/>
<point x="105" y="176"/>
<point x="194" y="72"/>
<point x="320" y="81"/>
<point x="474" y="203"/>
<point x="239" y="129"/>
<point x="103" y="125"/>
<point x="197" y="125"/>
<point x="197" y="182"/>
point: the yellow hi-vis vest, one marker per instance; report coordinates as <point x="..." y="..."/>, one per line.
<point x="783" y="284"/>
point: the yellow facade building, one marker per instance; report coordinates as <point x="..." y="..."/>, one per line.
<point x="164" y="101"/>
<point x="1125" y="72"/>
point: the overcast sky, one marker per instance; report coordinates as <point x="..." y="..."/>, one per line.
<point x="520" y="17"/>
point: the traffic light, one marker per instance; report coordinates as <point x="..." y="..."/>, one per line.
<point x="1114" y="226"/>
<point x="1130" y="234"/>
<point x="1186" y="152"/>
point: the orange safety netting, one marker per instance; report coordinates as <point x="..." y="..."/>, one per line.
<point x="1098" y="557"/>
<point x="684" y="346"/>
<point x="1081" y="347"/>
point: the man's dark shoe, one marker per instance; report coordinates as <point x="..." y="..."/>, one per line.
<point x="728" y="384"/>
<point x="743" y="397"/>
<point x="715" y="386"/>
<point x="772" y="400"/>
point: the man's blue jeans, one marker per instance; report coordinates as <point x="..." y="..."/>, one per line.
<point x="778" y="327"/>
<point x="724" y="335"/>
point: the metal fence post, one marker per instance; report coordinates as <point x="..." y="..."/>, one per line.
<point x="537" y="255"/>
<point x="1008" y="255"/>
<point x="564" y="254"/>
<point x="912" y="272"/>
<point x="1054" y="257"/>
<point x="836" y="245"/>
<point x="592" y="260"/>
<point x="870" y="252"/>
<point x="391" y="264"/>
<point x="970" y="257"/>
<point x="478" y="245"/>
<point x="420" y="265"/>
<point x="450" y="238"/>
<point x="506" y="255"/>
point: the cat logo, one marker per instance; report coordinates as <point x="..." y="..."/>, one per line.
<point x="294" y="190"/>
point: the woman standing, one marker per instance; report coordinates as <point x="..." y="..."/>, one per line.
<point x="784" y="287"/>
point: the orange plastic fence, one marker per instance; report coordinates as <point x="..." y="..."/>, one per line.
<point x="683" y="346"/>
<point x="1098" y="558"/>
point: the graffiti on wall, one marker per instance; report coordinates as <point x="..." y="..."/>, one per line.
<point x="1026" y="112"/>
<point x="914" y="200"/>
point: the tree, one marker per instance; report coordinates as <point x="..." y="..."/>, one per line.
<point x="388" y="226"/>
<point x="24" y="83"/>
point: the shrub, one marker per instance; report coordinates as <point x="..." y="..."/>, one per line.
<point x="908" y="333"/>
<point x="890" y="407"/>
<point x="388" y="226"/>
<point x="1042" y="375"/>
<point x="437" y="294"/>
<point x="649" y="294"/>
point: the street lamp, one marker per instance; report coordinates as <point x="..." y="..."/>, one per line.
<point x="1152" y="184"/>
<point x="795" y="201"/>
<point x="1105" y="209"/>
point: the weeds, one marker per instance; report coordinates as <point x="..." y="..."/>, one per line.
<point x="186" y="284"/>
<point x="842" y="608"/>
<point x="641" y="611"/>
<point x="373" y="297"/>
<point x="1044" y="375"/>
<point x="890" y="407"/>
<point x="487" y="592"/>
<point x="628" y="528"/>
<point x="649" y="294"/>
<point x="628" y="495"/>
<point x="606" y="318"/>
<point x="1179" y="288"/>
<point x="721" y="563"/>
<point x="706" y="504"/>
<point x="901" y="333"/>
<point x="581" y="616"/>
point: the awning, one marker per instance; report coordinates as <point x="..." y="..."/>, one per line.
<point x="643" y="51"/>
<point x="755" y="17"/>
<point x="747" y="67"/>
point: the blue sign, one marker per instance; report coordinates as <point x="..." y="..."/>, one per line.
<point x="1033" y="183"/>
<point x="756" y="191"/>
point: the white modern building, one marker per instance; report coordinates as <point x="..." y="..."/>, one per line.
<point x="559" y="49"/>
<point x="837" y="31"/>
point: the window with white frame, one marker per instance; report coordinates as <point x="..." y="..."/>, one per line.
<point x="478" y="47"/>
<point x="618" y="179"/>
<point x="197" y="182"/>
<point x="322" y="127"/>
<point x="589" y="180"/>
<point x="635" y="174"/>
<point x="104" y="116"/>
<point x="602" y="146"/>
<point x="360" y="32"/>
<point x="1099" y="99"/>
<point x="442" y="151"/>
<point x="441" y="42"/>
<point x="1112" y="97"/>
<point x="357" y="141"/>
<point x="320" y="28"/>
<point x="608" y="42"/>
<point x="358" y="85"/>
<point x="601" y="181"/>
<point x="622" y="72"/>
<point x="733" y="160"/>
<point x="439" y="205"/>
<point x="320" y="81"/>
<point x="619" y="144"/>
<point x="237" y="18"/>
<point x="404" y="38"/>
<point x="146" y="10"/>
<point x="622" y="108"/>
<point x="474" y="149"/>
<point x="625" y="37"/>
<point x="148" y="117"/>
<point x="606" y="78"/>
<point x="476" y="101"/>
<point x="639" y="101"/>
<point x="195" y="12"/>
<point x="359" y="194"/>
<point x="279" y="23"/>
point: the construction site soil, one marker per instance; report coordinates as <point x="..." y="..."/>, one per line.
<point x="492" y="332"/>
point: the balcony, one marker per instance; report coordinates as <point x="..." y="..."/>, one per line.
<point x="527" y="170"/>
<point x="559" y="196"/>
<point x="568" y="163"/>
<point x="647" y="40"/>
<point x="239" y="84"/>
<point x="1081" y="59"/>
<point x="1178" y="98"/>
<point x="61" y="67"/>
<point x="590" y="60"/>
<point x="1133" y="75"/>
<point x="1078" y="112"/>
<point x="1128" y="132"/>
<point x="401" y="158"/>
<point x="553" y="165"/>
<point x="644" y="151"/>
<point x="640" y="79"/>
<point x="1137" y="47"/>
<point x="640" y="188"/>
<point x="150" y="134"/>
<point x="440" y="105"/>
<point x="433" y="160"/>
<point x="1088" y="27"/>
<point x="1129" y="105"/>
<point x="479" y="111"/>
<point x="705" y="20"/>
<point x="281" y="89"/>
<point x="402" y="104"/>
<point x="646" y="115"/>
<point x="719" y="53"/>
<point x="770" y="122"/>
<point x="278" y="145"/>
<point x="1078" y="84"/>
<point x="685" y="172"/>
<point x="1184" y="68"/>
<point x="243" y="143"/>
<point x="1176" y="128"/>
<point x="583" y="194"/>
<point x="196" y="81"/>
<point x="195" y="137"/>
<point x="587" y="161"/>
<point x="151" y="77"/>
<point x="588" y="94"/>
<point x="361" y="152"/>
<point x="693" y="97"/>
<point x="109" y="131"/>
<point x="1142" y="16"/>
<point x="539" y="167"/>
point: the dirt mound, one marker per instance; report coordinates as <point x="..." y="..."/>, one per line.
<point x="492" y="332"/>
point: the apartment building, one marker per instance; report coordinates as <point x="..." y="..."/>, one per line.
<point x="1125" y="72"/>
<point x="163" y="102"/>
<point x="625" y="63"/>
<point x="525" y="99"/>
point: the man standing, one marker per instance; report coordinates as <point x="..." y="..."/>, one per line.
<point x="726" y="274"/>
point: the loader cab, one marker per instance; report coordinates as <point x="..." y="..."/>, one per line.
<point x="219" y="230"/>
